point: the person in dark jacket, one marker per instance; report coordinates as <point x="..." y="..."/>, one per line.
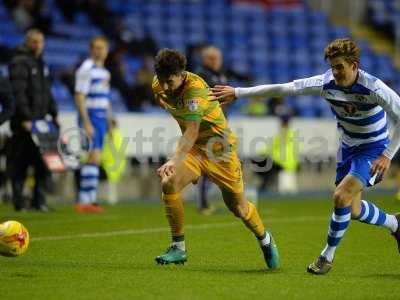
<point x="6" y="99"/>
<point x="29" y="78"/>
<point x="211" y="71"/>
<point x="6" y="103"/>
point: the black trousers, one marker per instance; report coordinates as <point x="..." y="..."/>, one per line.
<point x="269" y="177"/>
<point x="204" y="186"/>
<point x="22" y="153"/>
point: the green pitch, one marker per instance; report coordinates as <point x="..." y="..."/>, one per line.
<point x="111" y="256"/>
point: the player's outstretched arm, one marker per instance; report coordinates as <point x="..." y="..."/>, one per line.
<point x="226" y="94"/>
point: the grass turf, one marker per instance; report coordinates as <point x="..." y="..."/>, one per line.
<point x="111" y="256"/>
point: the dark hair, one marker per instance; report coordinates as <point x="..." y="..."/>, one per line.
<point x="169" y="62"/>
<point x="343" y="47"/>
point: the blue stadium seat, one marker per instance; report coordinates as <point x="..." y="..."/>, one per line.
<point x="195" y="38"/>
<point x="305" y="106"/>
<point x="152" y="8"/>
<point x="57" y="16"/>
<point x="82" y="19"/>
<point x="58" y="45"/>
<point x="62" y="96"/>
<point x="316" y="18"/>
<point x="322" y="108"/>
<point x="339" y="32"/>
<point x="11" y="40"/>
<point x="9" y="28"/>
<point x="174" y="9"/>
<point x="59" y="61"/>
<point x="194" y="10"/>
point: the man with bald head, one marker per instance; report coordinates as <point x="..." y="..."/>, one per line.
<point x="211" y="68"/>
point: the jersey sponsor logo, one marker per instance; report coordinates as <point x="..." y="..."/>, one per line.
<point x="360" y="98"/>
<point x="193" y="104"/>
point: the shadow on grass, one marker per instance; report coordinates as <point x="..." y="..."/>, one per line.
<point x="60" y="265"/>
<point x="20" y="275"/>
<point x="221" y="270"/>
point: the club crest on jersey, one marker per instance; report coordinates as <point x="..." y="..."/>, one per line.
<point x="350" y="109"/>
<point x="193" y="104"/>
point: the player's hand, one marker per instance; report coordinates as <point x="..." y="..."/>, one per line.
<point x="167" y="169"/>
<point x="223" y="93"/>
<point x="27" y="125"/>
<point x="160" y="100"/>
<point x="88" y="129"/>
<point x="380" y="165"/>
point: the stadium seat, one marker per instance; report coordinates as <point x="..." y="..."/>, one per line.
<point x="62" y="96"/>
<point x="60" y="61"/>
<point x="117" y="102"/>
<point x="11" y="40"/>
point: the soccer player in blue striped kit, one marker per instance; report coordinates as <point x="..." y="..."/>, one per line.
<point x="362" y="105"/>
<point x="92" y="97"/>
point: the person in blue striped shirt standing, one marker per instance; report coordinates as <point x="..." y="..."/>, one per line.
<point x="362" y="105"/>
<point x="92" y="98"/>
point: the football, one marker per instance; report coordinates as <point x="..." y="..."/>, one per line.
<point x="14" y="239"/>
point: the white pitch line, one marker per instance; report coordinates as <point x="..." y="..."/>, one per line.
<point x="166" y="229"/>
<point x="82" y="220"/>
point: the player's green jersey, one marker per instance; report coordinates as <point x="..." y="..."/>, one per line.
<point x="194" y="103"/>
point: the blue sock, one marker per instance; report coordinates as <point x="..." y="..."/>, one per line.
<point x="340" y="220"/>
<point x="89" y="181"/>
<point x="371" y="214"/>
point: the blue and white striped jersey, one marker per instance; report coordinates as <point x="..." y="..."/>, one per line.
<point x="362" y="110"/>
<point x="94" y="83"/>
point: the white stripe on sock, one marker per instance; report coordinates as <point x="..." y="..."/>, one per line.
<point x="328" y="252"/>
<point x="265" y="241"/>
<point x="84" y="197"/>
<point x="391" y="222"/>
<point x="366" y="212"/>
<point x="376" y="215"/>
<point x="180" y="245"/>
<point x="93" y="196"/>
<point x="341" y="219"/>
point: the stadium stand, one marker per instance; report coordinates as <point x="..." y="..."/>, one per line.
<point x="273" y="43"/>
<point x="385" y="15"/>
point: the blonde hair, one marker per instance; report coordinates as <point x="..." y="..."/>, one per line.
<point x="98" y="38"/>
